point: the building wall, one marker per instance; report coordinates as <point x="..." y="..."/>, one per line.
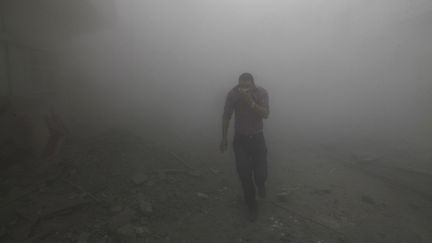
<point x="22" y="121"/>
<point x="3" y="81"/>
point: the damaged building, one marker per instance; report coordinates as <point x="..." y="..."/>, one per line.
<point x="32" y="36"/>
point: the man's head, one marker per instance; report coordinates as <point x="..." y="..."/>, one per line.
<point x="246" y="81"/>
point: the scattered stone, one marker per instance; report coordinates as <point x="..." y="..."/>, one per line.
<point x="171" y="180"/>
<point x="140" y="178"/>
<point x="364" y="158"/>
<point x="83" y="237"/>
<point x="342" y="239"/>
<point x="321" y="192"/>
<point x="141" y="231"/>
<point x="73" y="196"/>
<point x="214" y="171"/>
<point x="282" y="197"/>
<point x="116" y="209"/>
<point x="330" y="222"/>
<point x="145" y="207"/>
<point x="194" y="173"/>
<point x="105" y="239"/>
<point x="126" y="229"/>
<point x="276" y="224"/>
<point x="126" y="233"/>
<point x="223" y="189"/>
<point x="369" y="200"/>
<point x="286" y="237"/>
<point x="202" y="195"/>
<point x="162" y="176"/>
<point x="122" y="218"/>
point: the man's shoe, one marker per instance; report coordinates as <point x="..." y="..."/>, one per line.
<point x="262" y="193"/>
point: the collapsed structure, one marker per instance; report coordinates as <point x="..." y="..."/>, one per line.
<point x="32" y="34"/>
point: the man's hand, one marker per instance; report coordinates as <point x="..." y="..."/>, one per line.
<point x="246" y="96"/>
<point x="223" y="145"/>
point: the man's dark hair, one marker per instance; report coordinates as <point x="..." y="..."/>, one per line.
<point x="246" y="76"/>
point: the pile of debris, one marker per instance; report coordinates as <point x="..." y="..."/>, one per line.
<point x="111" y="188"/>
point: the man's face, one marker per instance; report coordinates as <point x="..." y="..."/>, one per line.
<point x="246" y="84"/>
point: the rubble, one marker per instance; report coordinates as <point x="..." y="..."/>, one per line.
<point x="286" y="237"/>
<point x="194" y="173"/>
<point x="116" y="209"/>
<point x="215" y="171"/>
<point x="104" y="239"/>
<point x="83" y="238"/>
<point x="364" y="158"/>
<point x="142" y="231"/>
<point x="202" y="195"/>
<point x="88" y="194"/>
<point x="101" y="196"/>
<point x="368" y="200"/>
<point x="122" y="218"/>
<point x="126" y="234"/>
<point x="282" y="197"/>
<point x="162" y="176"/>
<point x="140" y="178"/>
<point x="144" y="206"/>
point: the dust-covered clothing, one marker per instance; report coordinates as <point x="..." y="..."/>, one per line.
<point x="246" y="120"/>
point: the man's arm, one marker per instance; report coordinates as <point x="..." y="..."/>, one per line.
<point x="225" y="125"/>
<point x="224" y="142"/>
<point x="228" y="111"/>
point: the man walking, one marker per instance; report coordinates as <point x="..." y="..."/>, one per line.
<point x="250" y="104"/>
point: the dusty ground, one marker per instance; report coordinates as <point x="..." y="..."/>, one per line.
<point x="121" y="187"/>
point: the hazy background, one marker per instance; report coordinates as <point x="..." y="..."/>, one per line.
<point x="338" y="72"/>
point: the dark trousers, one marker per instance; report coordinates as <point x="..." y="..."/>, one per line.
<point x="251" y="162"/>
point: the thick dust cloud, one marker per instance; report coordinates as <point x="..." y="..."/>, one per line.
<point x="114" y="116"/>
<point x="336" y="71"/>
